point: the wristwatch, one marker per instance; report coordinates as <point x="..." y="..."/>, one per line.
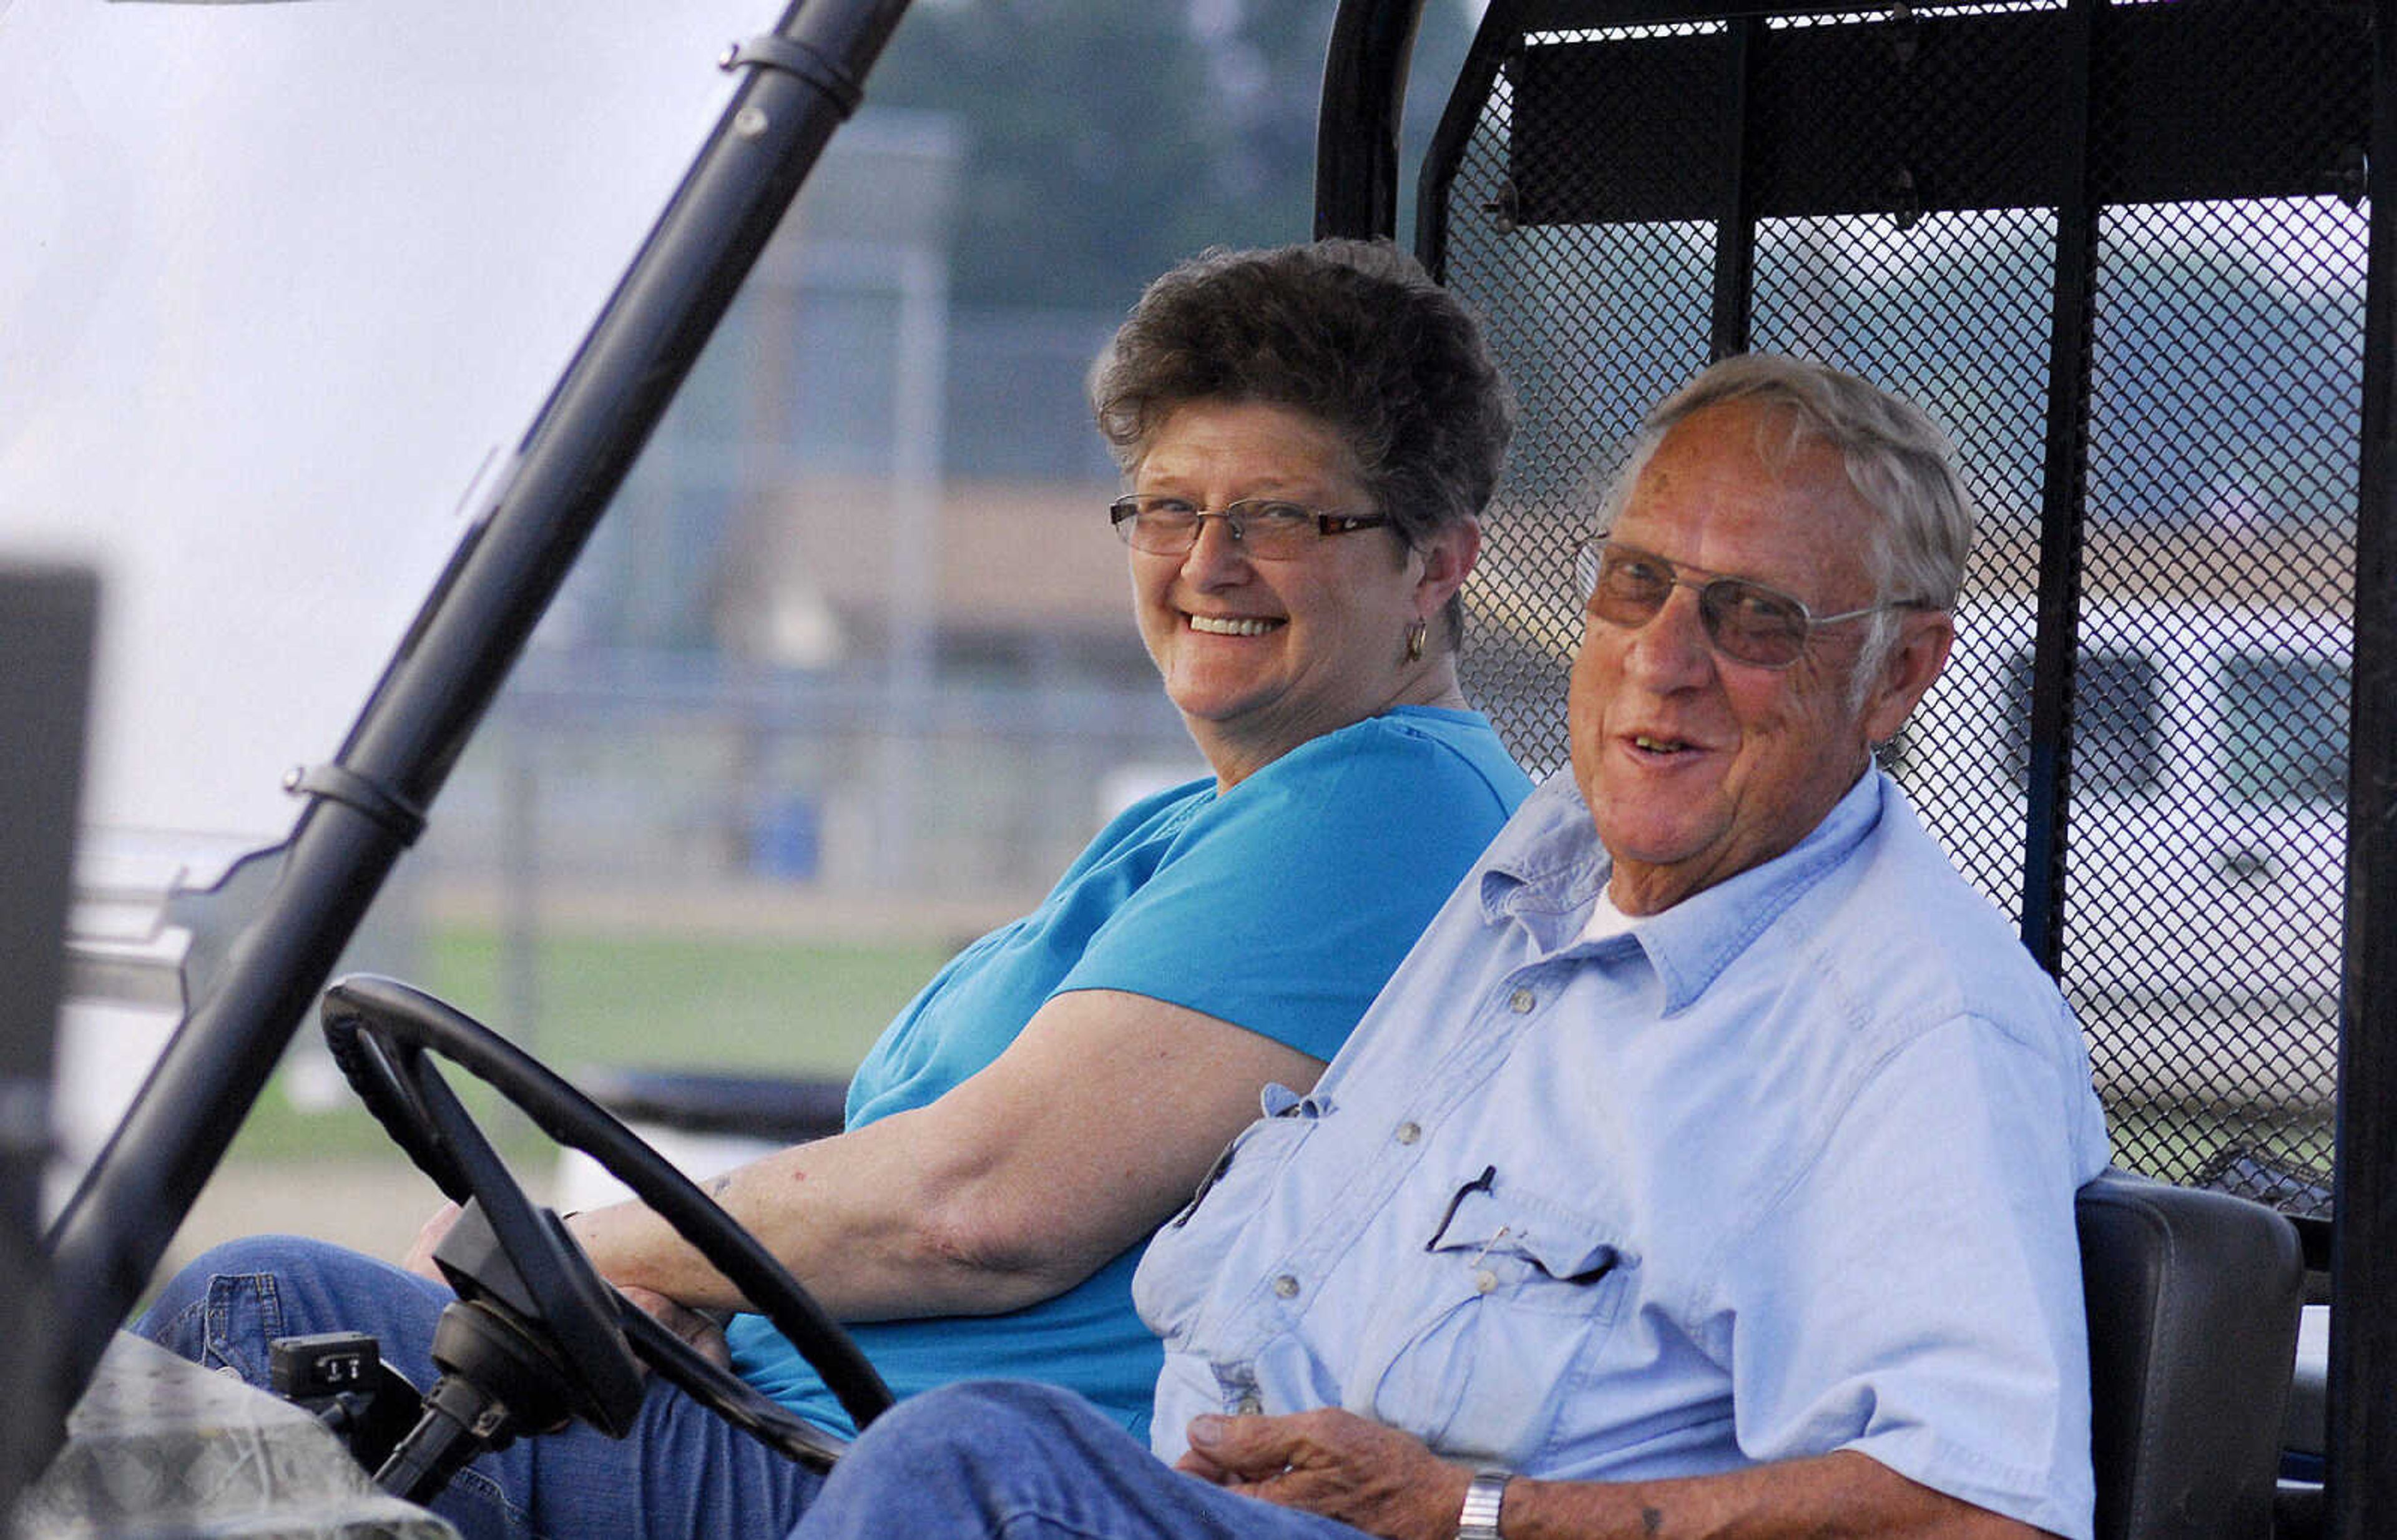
<point x="1479" y="1518"/>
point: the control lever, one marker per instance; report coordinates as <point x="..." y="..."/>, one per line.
<point x="340" y="1378"/>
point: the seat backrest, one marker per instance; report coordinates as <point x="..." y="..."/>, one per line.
<point x="2193" y="1299"/>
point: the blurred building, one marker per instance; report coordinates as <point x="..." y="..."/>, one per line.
<point x="855" y="620"/>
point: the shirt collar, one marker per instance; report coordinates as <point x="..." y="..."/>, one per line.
<point x="1546" y="869"/>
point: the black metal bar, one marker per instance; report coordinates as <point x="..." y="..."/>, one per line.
<point x="2360" y="1433"/>
<point x="49" y="619"/>
<point x="1734" y="276"/>
<point x="1357" y="131"/>
<point x="2064" y="489"/>
<point x="1590" y="14"/>
<point x="455" y="657"/>
<point x="1496" y="41"/>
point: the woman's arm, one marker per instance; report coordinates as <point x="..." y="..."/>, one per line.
<point x="1091" y="1129"/>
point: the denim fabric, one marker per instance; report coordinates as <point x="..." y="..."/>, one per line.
<point x="1027" y="1462"/>
<point x="681" y="1473"/>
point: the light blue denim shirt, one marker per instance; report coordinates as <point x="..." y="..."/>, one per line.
<point x="1785" y="1170"/>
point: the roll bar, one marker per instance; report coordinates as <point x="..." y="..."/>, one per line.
<point x="800" y="82"/>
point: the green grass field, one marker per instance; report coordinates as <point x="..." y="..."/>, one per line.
<point x="674" y="1001"/>
<point x="662" y="1001"/>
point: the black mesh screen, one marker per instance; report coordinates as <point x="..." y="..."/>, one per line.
<point x="2147" y="339"/>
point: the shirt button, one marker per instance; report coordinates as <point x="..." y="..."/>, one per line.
<point x="1249" y="1405"/>
<point x="1521" y="1002"/>
<point x="1285" y="1286"/>
<point x="1409" y="1132"/>
<point x="1485" y="1281"/>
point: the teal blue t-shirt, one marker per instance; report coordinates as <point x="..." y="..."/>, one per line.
<point x="1282" y="905"/>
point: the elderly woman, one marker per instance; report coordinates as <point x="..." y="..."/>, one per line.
<point x="1307" y="436"/>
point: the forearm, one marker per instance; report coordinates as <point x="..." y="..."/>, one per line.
<point x="859" y="1220"/>
<point x="1016" y="1184"/>
<point x="1834" y="1496"/>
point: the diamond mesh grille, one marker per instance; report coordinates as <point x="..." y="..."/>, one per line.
<point x="2204" y="484"/>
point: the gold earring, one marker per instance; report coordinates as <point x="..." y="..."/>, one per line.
<point x="1416" y="642"/>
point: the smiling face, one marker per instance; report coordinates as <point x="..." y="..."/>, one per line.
<point x="1696" y="766"/>
<point x="1260" y="656"/>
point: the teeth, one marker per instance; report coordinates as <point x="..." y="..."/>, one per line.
<point x="1228" y="626"/>
<point x="1655" y="746"/>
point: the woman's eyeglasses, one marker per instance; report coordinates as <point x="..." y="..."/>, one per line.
<point x="1264" y="528"/>
<point x="1747" y="621"/>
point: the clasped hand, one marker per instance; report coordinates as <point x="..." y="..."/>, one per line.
<point x="1334" y="1463"/>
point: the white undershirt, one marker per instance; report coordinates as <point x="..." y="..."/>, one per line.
<point x="1606" y="921"/>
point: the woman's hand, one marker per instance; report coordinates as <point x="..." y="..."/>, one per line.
<point x="419" y="1256"/>
<point x="702" y="1334"/>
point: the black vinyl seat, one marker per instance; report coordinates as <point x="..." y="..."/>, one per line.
<point x="2193" y="1300"/>
<point x="773" y="1108"/>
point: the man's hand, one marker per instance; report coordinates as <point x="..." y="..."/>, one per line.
<point x="1334" y="1463"/>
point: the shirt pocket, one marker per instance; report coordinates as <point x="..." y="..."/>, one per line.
<point x="1519" y="1290"/>
<point x="1185" y="1260"/>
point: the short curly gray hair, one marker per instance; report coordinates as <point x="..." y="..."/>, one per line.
<point x="1353" y="333"/>
<point x="1900" y="462"/>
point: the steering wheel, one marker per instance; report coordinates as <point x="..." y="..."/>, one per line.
<point x="380" y="1031"/>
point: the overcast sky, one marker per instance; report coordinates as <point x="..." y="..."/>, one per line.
<point x="274" y="281"/>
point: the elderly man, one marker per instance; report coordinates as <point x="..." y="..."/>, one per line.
<point x="1709" y="1166"/>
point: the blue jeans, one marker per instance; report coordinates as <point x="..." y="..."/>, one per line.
<point x="682" y="1472"/>
<point x="1026" y="1462"/>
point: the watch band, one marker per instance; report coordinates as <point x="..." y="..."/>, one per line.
<point x="1479" y="1518"/>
